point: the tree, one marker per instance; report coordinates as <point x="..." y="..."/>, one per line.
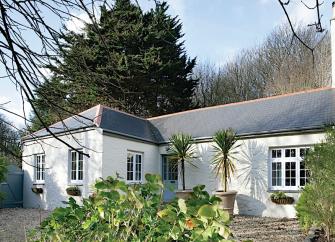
<point x="278" y="65"/>
<point x="133" y="60"/>
<point x="181" y="150"/>
<point x="10" y="150"/>
<point x="224" y="151"/>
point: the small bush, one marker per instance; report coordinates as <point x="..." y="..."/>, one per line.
<point x="120" y="212"/>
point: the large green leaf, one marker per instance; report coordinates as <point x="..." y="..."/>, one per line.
<point x="208" y="211"/>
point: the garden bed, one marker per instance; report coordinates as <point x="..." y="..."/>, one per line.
<point x="13" y="223"/>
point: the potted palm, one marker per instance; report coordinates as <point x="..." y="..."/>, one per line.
<point x="182" y="150"/>
<point x="223" y="162"/>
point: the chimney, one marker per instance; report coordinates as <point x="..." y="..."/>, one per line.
<point x="332" y="36"/>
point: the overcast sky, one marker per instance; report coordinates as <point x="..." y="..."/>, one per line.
<point x="215" y="30"/>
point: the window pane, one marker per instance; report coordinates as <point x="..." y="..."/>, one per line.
<point x="290" y="174"/>
<point x="43" y="168"/>
<point x="274" y="154"/>
<point x="130" y="167"/>
<point x="276" y="174"/>
<point x="138" y="167"/>
<point x="278" y="153"/>
<point x="293" y="153"/>
<point x="73" y="165"/>
<point x="287" y="153"/>
<point x="304" y="174"/>
<point x="80" y="170"/>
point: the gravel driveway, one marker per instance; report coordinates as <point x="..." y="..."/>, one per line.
<point x="13" y="223"/>
<point x="263" y="229"/>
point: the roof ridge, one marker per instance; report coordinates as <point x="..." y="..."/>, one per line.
<point x="243" y="102"/>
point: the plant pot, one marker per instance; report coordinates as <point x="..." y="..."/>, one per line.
<point x="37" y="190"/>
<point x="283" y="201"/>
<point x="227" y="201"/>
<point x="184" y="194"/>
<point x="73" y="192"/>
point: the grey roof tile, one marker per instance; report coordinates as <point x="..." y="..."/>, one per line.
<point x="303" y="110"/>
<point x="297" y="111"/>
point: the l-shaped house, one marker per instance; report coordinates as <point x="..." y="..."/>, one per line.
<point x="274" y="134"/>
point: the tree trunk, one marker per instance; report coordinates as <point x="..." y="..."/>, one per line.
<point x="225" y="176"/>
<point x="183" y="173"/>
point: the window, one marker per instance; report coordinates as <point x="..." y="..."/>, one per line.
<point x="40" y="168"/>
<point x="77" y="171"/>
<point x="134" y="166"/>
<point x="170" y="169"/>
<point x="288" y="172"/>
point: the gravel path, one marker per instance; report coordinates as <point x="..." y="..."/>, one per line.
<point x="13" y="223"/>
<point x="266" y="229"/>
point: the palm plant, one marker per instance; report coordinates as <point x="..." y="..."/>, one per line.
<point x="181" y="150"/>
<point x="223" y="160"/>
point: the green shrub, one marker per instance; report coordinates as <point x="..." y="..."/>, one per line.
<point x="316" y="205"/>
<point x="120" y="212"/>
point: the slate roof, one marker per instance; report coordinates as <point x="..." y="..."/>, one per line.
<point x="306" y="110"/>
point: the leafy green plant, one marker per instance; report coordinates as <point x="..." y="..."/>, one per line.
<point x="182" y="150"/>
<point x="224" y="151"/>
<point x="278" y="195"/>
<point x="316" y="205"/>
<point x="121" y="212"/>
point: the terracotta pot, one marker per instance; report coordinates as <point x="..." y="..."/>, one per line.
<point x="184" y="194"/>
<point x="227" y="201"/>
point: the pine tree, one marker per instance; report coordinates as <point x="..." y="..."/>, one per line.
<point x="133" y="60"/>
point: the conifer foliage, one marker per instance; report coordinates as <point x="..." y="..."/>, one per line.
<point x="131" y="60"/>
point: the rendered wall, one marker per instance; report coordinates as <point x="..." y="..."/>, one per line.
<point x="115" y="156"/>
<point x="251" y="178"/>
<point x="57" y="176"/>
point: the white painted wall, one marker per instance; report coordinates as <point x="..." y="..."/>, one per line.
<point x="115" y="156"/>
<point x="110" y="155"/>
<point x="57" y="177"/>
<point x="251" y="178"/>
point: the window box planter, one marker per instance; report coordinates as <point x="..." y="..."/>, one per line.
<point x="73" y="191"/>
<point x="281" y="198"/>
<point x="37" y="190"/>
<point x="282" y="201"/>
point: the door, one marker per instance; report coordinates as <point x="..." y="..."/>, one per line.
<point x="170" y="178"/>
<point x="12" y="188"/>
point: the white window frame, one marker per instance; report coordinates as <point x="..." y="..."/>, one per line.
<point x="283" y="160"/>
<point x="134" y="171"/>
<point x="39" y="162"/>
<point x="76" y="171"/>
